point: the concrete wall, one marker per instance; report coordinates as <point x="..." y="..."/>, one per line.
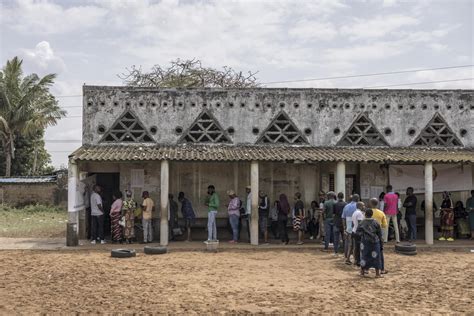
<point x="25" y="194"/>
<point x="321" y="110"/>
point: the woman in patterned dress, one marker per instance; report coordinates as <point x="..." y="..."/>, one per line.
<point x="129" y="206"/>
<point x="115" y="216"/>
<point x="370" y="234"/>
<point x="447" y="218"/>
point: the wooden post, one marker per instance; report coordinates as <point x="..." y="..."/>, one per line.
<point x="254" y="190"/>
<point x="429" y="203"/>
<point x="340" y="178"/>
<point x="73" y="215"/>
<point x="164" y="183"/>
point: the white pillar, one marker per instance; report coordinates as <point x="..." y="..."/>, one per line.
<point x="429" y="203"/>
<point x="340" y="178"/>
<point x="73" y="214"/>
<point x="254" y="189"/>
<point x="164" y="183"/>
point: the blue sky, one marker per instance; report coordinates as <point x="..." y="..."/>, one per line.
<point x="93" y="41"/>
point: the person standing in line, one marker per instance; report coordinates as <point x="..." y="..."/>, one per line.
<point x="346" y="217"/>
<point x="233" y="209"/>
<point x="148" y="207"/>
<point x="97" y="214"/>
<point x="172" y="216"/>
<point x="129" y="206"/>
<point x="212" y="203"/>
<point x="370" y="234"/>
<point x="283" y="212"/>
<point x="410" y="213"/>
<point x="391" y="210"/>
<point x="357" y="217"/>
<point x="247" y="217"/>
<point x="188" y="213"/>
<point x="338" y="226"/>
<point x="115" y="217"/>
<point x="470" y="210"/>
<point x="320" y="215"/>
<point x="381" y="202"/>
<point x="447" y="218"/>
<point x="379" y="216"/>
<point x="328" y="215"/>
<point x="263" y="207"/>
<point x="299" y="218"/>
<point x="311" y="215"/>
<point x="274" y="219"/>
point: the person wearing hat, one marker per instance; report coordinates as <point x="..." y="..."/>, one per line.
<point x="233" y="209"/>
<point x="128" y="208"/>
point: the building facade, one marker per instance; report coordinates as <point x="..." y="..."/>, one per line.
<point x="276" y="140"/>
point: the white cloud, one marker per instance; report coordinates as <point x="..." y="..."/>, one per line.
<point x="44" y="17"/>
<point x="308" y="30"/>
<point x="377" y="27"/>
<point x="43" y="59"/>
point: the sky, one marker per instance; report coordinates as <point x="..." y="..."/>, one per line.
<point x="92" y="41"/>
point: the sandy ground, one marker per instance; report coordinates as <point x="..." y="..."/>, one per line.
<point x="231" y="282"/>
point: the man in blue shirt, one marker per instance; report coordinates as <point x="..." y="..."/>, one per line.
<point x="346" y="216"/>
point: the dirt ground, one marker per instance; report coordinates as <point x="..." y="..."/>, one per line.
<point x="231" y="282"/>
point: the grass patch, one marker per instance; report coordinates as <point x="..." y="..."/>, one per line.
<point x="32" y="221"/>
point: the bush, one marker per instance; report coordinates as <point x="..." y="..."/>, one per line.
<point x="36" y="208"/>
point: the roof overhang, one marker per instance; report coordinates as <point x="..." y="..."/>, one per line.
<point x="307" y="154"/>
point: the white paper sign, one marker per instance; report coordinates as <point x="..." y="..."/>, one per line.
<point x="365" y="192"/>
<point x="445" y="178"/>
<point x="137" y="178"/>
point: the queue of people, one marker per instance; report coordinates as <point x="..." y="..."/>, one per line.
<point x="331" y="219"/>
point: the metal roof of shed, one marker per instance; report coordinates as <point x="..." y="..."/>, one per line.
<point x="28" y="180"/>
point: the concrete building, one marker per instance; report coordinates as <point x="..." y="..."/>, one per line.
<point x="276" y="140"/>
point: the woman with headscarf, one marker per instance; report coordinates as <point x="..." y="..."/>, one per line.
<point x="283" y="211"/>
<point x="115" y="216"/>
<point x="129" y="206"/>
<point x="370" y="234"/>
<point x="447" y="218"/>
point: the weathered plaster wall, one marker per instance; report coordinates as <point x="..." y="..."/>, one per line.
<point x="25" y="194"/>
<point x="321" y="110"/>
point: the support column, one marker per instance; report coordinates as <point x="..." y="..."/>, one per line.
<point x="72" y="233"/>
<point x="340" y="178"/>
<point x="254" y="190"/>
<point x="164" y="189"/>
<point x="429" y="203"/>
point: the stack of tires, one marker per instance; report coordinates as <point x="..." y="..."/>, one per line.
<point x="406" y="249"/>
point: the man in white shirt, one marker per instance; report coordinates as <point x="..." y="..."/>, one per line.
<point x="357" y="217"/>
<point x="97" y="214"/>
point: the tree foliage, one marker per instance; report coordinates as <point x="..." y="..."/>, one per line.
<point x="26" y="109"/>
<point x="188" y="74"/>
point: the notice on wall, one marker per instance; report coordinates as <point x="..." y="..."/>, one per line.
<point x="365" y="191"/>
<point x="375" y="191"/>
<point x="445" y="178"/>
<point x="137" y="178"/>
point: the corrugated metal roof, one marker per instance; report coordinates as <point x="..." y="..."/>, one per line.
<point x="271" y="153"/>
<point x="27" y="180"/>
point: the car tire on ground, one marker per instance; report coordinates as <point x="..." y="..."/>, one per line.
<point x="150" y="250"/>
<point x="123" y="253"/>
<point x="405" y="247"/>
<point x="407" y="253"/>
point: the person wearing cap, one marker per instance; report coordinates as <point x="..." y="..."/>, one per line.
<point x="233" y="209"/>
<point x="128" y="208"/>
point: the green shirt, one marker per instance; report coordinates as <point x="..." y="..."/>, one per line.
<point x="329" y="209"/>
<point x="213" y="202"/>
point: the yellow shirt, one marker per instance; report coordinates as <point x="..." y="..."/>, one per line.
<point x="379" y="216"/>
<point x="148" y="208"/>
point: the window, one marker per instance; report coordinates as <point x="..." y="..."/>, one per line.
<point x="362" y="133"/>
<point x="127" y="129"/>
<point x="437" y="133"/>
<point x="205" y="129"/>
<point x="282" y="131"/>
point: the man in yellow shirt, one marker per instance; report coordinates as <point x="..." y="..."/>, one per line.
<point x="379" y="216"/>
<point x="147" y="215"/>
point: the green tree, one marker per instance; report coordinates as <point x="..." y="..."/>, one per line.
<point x="26" y="108"/>
<point x="188" y="74"/>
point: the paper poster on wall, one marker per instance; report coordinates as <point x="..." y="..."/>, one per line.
<point x="445" y="178"/>
<point x="137" y="178"/>
<point x="375" y="191"/>
<point x="365" y="192"/>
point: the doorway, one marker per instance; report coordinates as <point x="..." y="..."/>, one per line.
<point x="110" y="183"/>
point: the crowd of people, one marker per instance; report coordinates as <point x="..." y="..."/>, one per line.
<point x="330" y="219"/>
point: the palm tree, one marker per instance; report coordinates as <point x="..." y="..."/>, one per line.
<point x="26" y="106"/>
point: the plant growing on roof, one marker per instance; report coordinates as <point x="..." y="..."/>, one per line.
<point x="26" y="106"/>
<point x="188" y="74"/>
